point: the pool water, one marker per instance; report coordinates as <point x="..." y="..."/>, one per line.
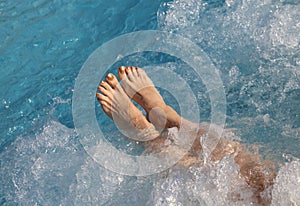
<point x="43" y="45"/>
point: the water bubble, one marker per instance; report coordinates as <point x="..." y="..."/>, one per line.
<point x="5" y="103"/>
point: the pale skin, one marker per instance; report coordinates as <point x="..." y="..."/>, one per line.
<point x="136" y="85"/>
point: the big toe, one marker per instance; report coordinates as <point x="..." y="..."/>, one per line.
<point x="112" y="80"/>
<point x="122" y="72"/>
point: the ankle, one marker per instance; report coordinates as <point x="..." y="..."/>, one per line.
<point x="173" y="119"/>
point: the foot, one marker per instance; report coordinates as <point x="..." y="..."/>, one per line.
<point x="117" y="105"/>
<point x="140" y="88"/>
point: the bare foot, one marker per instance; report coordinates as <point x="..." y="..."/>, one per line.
<point x="140" y="88"/>
<point x="116" y="104"/>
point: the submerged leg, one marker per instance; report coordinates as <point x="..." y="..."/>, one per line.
<point x="138" y="86"/>
<point x="141" y="89"/>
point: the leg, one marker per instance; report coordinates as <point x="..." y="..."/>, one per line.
<point x="139" y="87"/>
<point x="117" y="105"/>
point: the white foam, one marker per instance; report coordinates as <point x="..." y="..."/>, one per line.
<point x="50" y="168"/>
<point x="287" y="185"/>
<point x="213" y="184"/>
<point x="239" y="31"/>
<point x="285" y="27"/>
<point x="255" y="44"/>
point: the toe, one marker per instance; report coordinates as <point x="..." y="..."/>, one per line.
<point x="98" y="95"/>
<point x="122" y="73"/>
<point x="134" y="71"/>
<point x="104" y="101"/>
<point x="128" y="70"/>
<point x="141" y="72"/>
<point x="112" y="80"/>
<point x="104" y="91"/>
<point x="129" y="73"/>
<point x="106" y="107"/>
<point x="105" y="85"/>
<point x="102" y="97"/>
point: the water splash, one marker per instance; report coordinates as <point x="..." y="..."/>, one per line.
<point x="255" y="45"/>
<point x="287" y="186"/>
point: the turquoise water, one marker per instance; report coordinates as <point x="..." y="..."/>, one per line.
<point x="43" y="45"/>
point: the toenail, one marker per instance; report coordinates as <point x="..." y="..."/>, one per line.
<point x="122" y="69"/>
<point x="110" y="76"/>
<point x="102" y="82"/>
